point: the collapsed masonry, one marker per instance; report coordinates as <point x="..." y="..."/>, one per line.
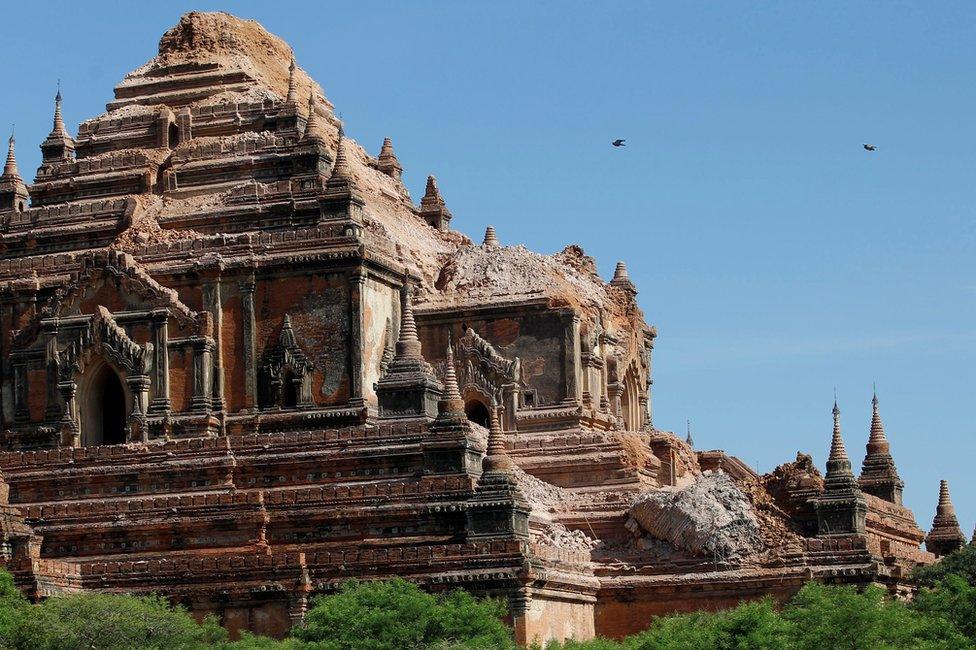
<point x="240" y="366"/>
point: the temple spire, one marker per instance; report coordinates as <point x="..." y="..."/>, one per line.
<point x="388" y="162"/>
<point x="838" y="454"/>
<point x="409" y="387"/>
<point x="341" y="167"/>
<point x="10" y="167"/>
<point x="945" y="536"/>
<point x="497" y="459"/>
<point x="408" y="344"/>
<point x="877" y="436"/>
<point x="621" y="279"/>
<point x="58" y="146"/>
<point x="433" y="209"/>
<point x="451" y="390"/>
<point x="292" y="97"/>
<point x="688" y="439"/>
<point x="13" y="192"/>
<point x="878" y="473"/>
<point x="58" y="128"/>
<point x="312" y="129"/>
<point x="841" y="507"/>
<point x="491" y="239"/>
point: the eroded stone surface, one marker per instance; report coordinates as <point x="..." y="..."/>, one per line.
<point x="225" y="332"/>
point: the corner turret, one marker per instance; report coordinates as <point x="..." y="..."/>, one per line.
<point x="878" y="474"/>
<point x="841" y="508"/>
<point x="14" y="196"/>
<point x="58" y="146"/>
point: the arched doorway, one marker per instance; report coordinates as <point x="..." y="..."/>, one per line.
<point x="477" y="412"/>
<point x="174" y="136"/>
<point x="289" y="395"/>
<point x="104" y="415"/>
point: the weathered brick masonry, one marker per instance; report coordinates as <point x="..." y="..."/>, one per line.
<point x="240" y="366"/>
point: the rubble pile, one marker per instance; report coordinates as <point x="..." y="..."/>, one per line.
<point x="710" y="516"/>
<point x="557" y="535"/>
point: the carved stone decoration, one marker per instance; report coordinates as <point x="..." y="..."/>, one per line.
<point x="483" y="371"/>
<point x="287" y="362"/>
<point x="104" y="338"/>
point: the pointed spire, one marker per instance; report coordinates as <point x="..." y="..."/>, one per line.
<point x="497" y="459"/>
<point x="450" y="407"/>
<point x="292" y="97"/>
<point x="388" y="162"/>
<point x="408" y="344"/>
<point x="491" y="239"/>
<point x="10" y="167"/>
<point x="340" y="169"/>
<point x="451" y="390"/>
<point x="409" y="386"/>
<point x="945" y="506"/>
<point x="837" y="451"/>
<point x="688" y="439"/>
<point x="621" y="279"/>
<point x="433" y="209"/>
<point x="841" y="507"/>
<point x="58" y="129"/>
<point x="312" y="129"/>
<point x="286" y="338"/>
<point x="877" y="436"/>
<point x="945" y="536"/>
<point x="878" y="473"/>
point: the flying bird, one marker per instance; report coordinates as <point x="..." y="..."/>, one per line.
<point x="870" y="147"/>
<point x="619" y="143"/>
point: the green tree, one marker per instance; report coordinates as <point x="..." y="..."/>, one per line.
<point x="399" y="615"/>
<point x="961" y="563"/>
<point x="953" y="599"/>
<point x="13" y="608"/>
<point x="110" y="621"/>
<point x="845" y="617"/>
<point x="752" y="625"/>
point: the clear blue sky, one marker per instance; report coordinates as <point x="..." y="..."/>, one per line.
<point x="776" y="257"/>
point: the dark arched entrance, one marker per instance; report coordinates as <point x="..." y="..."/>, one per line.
<point x="289" y="396"/>
<point x="104" y="423"/>
<point x="477" y="413"/>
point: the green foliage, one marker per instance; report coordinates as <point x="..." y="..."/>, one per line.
<point x="954" y="600"/>
<point x="108" y="621"/>
<point x="845" y="617"/>
<point x="13" y="608"/>
<point x="961" y="563"/>
<point x="398" y="614"/>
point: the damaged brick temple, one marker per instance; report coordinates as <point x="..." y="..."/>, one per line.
<point x="241" y="366"/>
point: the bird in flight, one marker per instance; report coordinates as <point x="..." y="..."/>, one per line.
<point x="870" y="147"/>
<point x="619" y="143"/>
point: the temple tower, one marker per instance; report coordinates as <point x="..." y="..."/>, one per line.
<point x="433" y="209"/>
<point x="499" y="508"/>
<point x="878" y="474"/>
<point x="58" y="146"/>
<point x="945" y="536"/>
<point x="13" y="192"/>
<point x="409" y="387"/>
<point x="841" y="508"/>
<point x="388" y="162"/>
